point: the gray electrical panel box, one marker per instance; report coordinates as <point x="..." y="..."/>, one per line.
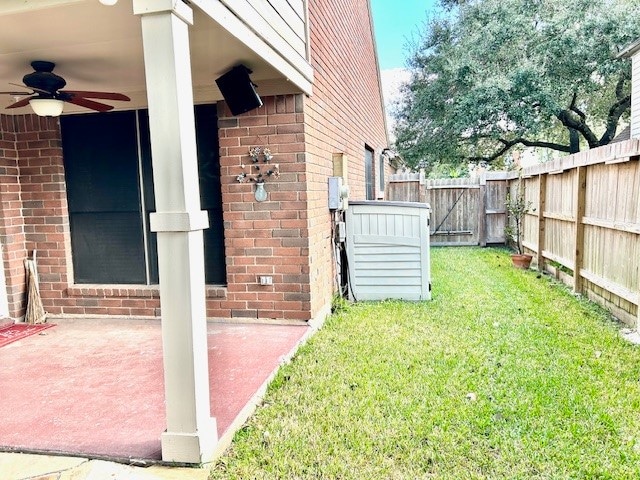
<point x="338" y="194"/>
<point x="334" y="193"/>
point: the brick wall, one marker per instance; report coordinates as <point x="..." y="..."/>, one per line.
<point x="12" y="234"/>
<point x="288" y="237"/>
<point x="34" y="216"/>
<point x="344" y="114"/>
<point x="44" y="203"/>
<point x="268" y="238"/>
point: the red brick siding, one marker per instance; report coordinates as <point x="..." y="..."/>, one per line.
<point x="269" y="238"/>
<point x="344" y="113"/>
<point x="287" y="237"/>
<point x="34" y="216"/>
<point x="272" y="237"/>
<point x="12" y="234"/>
<point x="44" y="203"/>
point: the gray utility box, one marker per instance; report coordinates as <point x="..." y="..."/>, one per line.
<point x="388" y="250"/>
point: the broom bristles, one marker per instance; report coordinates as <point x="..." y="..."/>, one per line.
<point x="35" y="312"/>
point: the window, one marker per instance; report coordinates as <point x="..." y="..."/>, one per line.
<point x="109" y="177"/>
<point x="369" y="173"/>
<point x="381" y="174"/>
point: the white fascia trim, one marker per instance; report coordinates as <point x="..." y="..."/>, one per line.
<point x="630" y="50"/>
<point x="300" y="75"/>
<point x="375" y="54"/>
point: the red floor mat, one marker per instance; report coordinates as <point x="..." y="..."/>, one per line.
<point x="17" y="331"/>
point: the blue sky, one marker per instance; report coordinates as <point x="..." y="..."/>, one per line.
<point x="395" y="21"/>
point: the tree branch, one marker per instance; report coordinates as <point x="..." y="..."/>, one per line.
<point x="575" y="109"/>
<point x="615" y="112"/>
<point x="620" y="86"/>
<point x="508" y="144"/>
<point x="567" y="119"/>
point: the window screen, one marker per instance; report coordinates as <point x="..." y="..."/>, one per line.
<point x="368" y="173"/>
<point x="110" y="194"/>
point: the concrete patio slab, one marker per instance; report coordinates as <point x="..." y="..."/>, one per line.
<point x="94" y="389"/>
<point x="18" y="466"/>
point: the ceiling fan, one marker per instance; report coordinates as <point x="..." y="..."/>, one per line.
<point x="47" y="98"/>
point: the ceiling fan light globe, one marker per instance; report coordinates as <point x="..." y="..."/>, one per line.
<point x="46" y="107"/>
<point x="108" y="3"/>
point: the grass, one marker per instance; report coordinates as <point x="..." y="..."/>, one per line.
<point x="503" y="375"/>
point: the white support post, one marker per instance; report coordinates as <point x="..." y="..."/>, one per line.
<point x="191" y="431"/>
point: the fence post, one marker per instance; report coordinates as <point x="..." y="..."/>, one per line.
<point x="482" y="211"/>
<point x="542" y="199"/>
<point x="581" y="187"/>
<point x="637" y="319"/>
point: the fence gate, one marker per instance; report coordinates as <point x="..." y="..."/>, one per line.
<point x="464" y="211"/>
<point x="455" y="204"/>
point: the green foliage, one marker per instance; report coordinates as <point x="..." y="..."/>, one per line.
<point x="501" y="376"/>
<point x="339" y="304"/>
<point x="517" y="207"/>
<point x="448" y="170"/>
<point x="491" y="75"/>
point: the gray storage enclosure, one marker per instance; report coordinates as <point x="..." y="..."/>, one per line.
<point x="388" y="250"/>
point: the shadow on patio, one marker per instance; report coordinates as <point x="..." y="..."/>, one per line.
<point x="95" y="388"/>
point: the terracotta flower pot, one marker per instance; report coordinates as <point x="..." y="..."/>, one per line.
<point x="521" y="260"/>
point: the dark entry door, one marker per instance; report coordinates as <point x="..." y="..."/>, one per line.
<point x="211" y="192"/>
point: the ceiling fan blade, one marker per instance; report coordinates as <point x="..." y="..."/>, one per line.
<point x="101" y="95"/>
<point x="83" y="102"/>
<point x="17" y="94"/>
<point x="20" y="103"/>
<point x="39" y="90"/>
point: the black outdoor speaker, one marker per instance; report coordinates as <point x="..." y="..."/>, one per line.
<point x="238" y="90"/>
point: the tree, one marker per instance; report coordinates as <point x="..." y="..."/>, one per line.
<point x="491" y="75"/>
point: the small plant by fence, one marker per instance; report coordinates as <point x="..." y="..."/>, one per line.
<point x="586" y="223"/>
<point x="583" y="226"/>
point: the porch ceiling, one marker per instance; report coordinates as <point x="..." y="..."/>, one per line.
<point x="99" y="48"/>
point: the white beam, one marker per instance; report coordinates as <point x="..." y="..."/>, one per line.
<point x="191" y="432"/>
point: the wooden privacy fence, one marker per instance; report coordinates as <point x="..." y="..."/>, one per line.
<point x="586" y="223"/>
<point x="464" y="211"/>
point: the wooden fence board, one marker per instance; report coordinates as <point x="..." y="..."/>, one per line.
<point x="454" y="213"/>
<point x="586" y="218"/>
<point x="589" y="222"/>
<point x="464" y="211"/>
<point x="495" y="212"/>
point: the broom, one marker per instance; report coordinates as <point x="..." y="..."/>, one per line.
<point x="35" y="310"/>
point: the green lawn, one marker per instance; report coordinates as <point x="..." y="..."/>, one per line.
<point x="503" y="375"/>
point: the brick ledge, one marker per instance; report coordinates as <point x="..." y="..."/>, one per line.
<point x="133" y="291"/>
